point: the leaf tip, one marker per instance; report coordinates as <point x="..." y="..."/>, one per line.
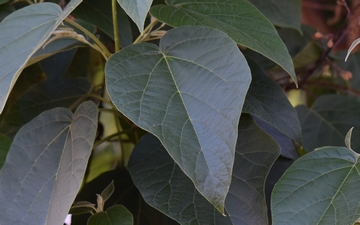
<point x="348" y="138"/>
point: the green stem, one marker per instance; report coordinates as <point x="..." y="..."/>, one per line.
<point x="145" y="31"/>
<point x="101" y="99"/>
<point x="115" y="24"/>
<point x="105" y="52"/>
<point x="114" y="111"/>
<point x="108" y="138"/>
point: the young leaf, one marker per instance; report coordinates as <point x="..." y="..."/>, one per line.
<point x="137" y="10"/>
<point x="189" y="93"/>
<point x="353" y="45"/>
<point x="22" y="34"/>
<point x="108" y="191"/>
<point x="116" y="214"/>
<point x="53" y="149"/>
<point x="348" y="138"/>
<point x="166" y="187"/>
<point x="238" y="18"/>
<point x="282" y="13"/>
<point x="267" y="101"/>
<point x="82" y="207"/>
<point x="328" y="120"/>
<point x="321" y="187"/>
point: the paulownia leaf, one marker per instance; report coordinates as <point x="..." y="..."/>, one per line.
<point x="238" y="18"/>
<point x="189" y="93"/>
<point x="282" y="13"/>
<point x="328" y="120"/>
<point x="267" y="101"/>
<point x="99" y="13"/>
<point x="165" y="187"/>
<point x="116" y="214"/>
<point x="5" y="143"/>
<point x="22" y="34"/>
<point x="45" y="166"/>
<point x="321" y="187"/>
<point x="40" y="97"/>
<point x="137" y="10"/>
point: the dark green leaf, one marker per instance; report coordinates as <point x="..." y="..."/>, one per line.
<point x="3" y="1"/>
<point x="137" y="10"/>
<point x="166" y="187"/>
<point x="321" y="187"/>
<point x="116" y="214"/>
<point x="238" y="18"/>
<point x="43" y="96"/>
<point x="45" y="166"/>
<point x="283" y="13"/>
<point x="99" y="13"/>
<point x="199" y="80"/>
<point x="267" y="101"/>
<point x="20" y="38"/>
<point x="328" y="120"/>
<point x="5" y="143"/>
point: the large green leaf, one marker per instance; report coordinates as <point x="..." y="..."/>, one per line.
<point x="137" y="10"/>
<point x="328" y="120"/>
<point x="283" y="13"/>
<point x="321" y="187"/>
<point x="22" y="34"/>
<point x="189" y="93"/>
<point x="99" y="13"/>
<point x="40" y="97"/>
<point x="165" y="187"/>
<point x="267" y="101"/>
<point x="45" y="166"/>
<point x="116" y="214"/>
<point x="5" y="143"/>
<point x="238" y="18"/>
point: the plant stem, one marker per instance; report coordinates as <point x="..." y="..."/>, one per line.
<point x="115" y="24"/>
<point x="108" y="138"/>
<point x="105" y="52"/>
<point x="101" y="99"/>
<point x="145" y="31"/>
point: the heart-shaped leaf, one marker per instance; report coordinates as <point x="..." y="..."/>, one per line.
<point x="328" y="120"/>
<point x="189" y="93"/>
<point x="238" y="18"/>
<point x="321" y="187"/>
<point x="116" y="214"/>
<point x="282" y="13"/>
<point x="137" y="10"/>
<point x="53" y="150"/>
<point x="165" y="187"/>
<point x="22" y="34"/>
<point x="267" y="101"/>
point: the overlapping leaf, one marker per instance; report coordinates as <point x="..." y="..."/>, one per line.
<point x="53" y="149"/>
<point x="283" y="13"/>
<point x="267" y="101"/>
<point x="40" y="97"/>
<point x="238" y="18"/>
<point x="321" y="187"/>
<point x="22" y="34"/>
<point x="328" y="120"/>
<point x="165" y="187"/>
<point x="137" y="10"/>
<point x="189" y="93"/>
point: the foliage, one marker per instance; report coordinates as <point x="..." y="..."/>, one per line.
<point x="178" y="112"/>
